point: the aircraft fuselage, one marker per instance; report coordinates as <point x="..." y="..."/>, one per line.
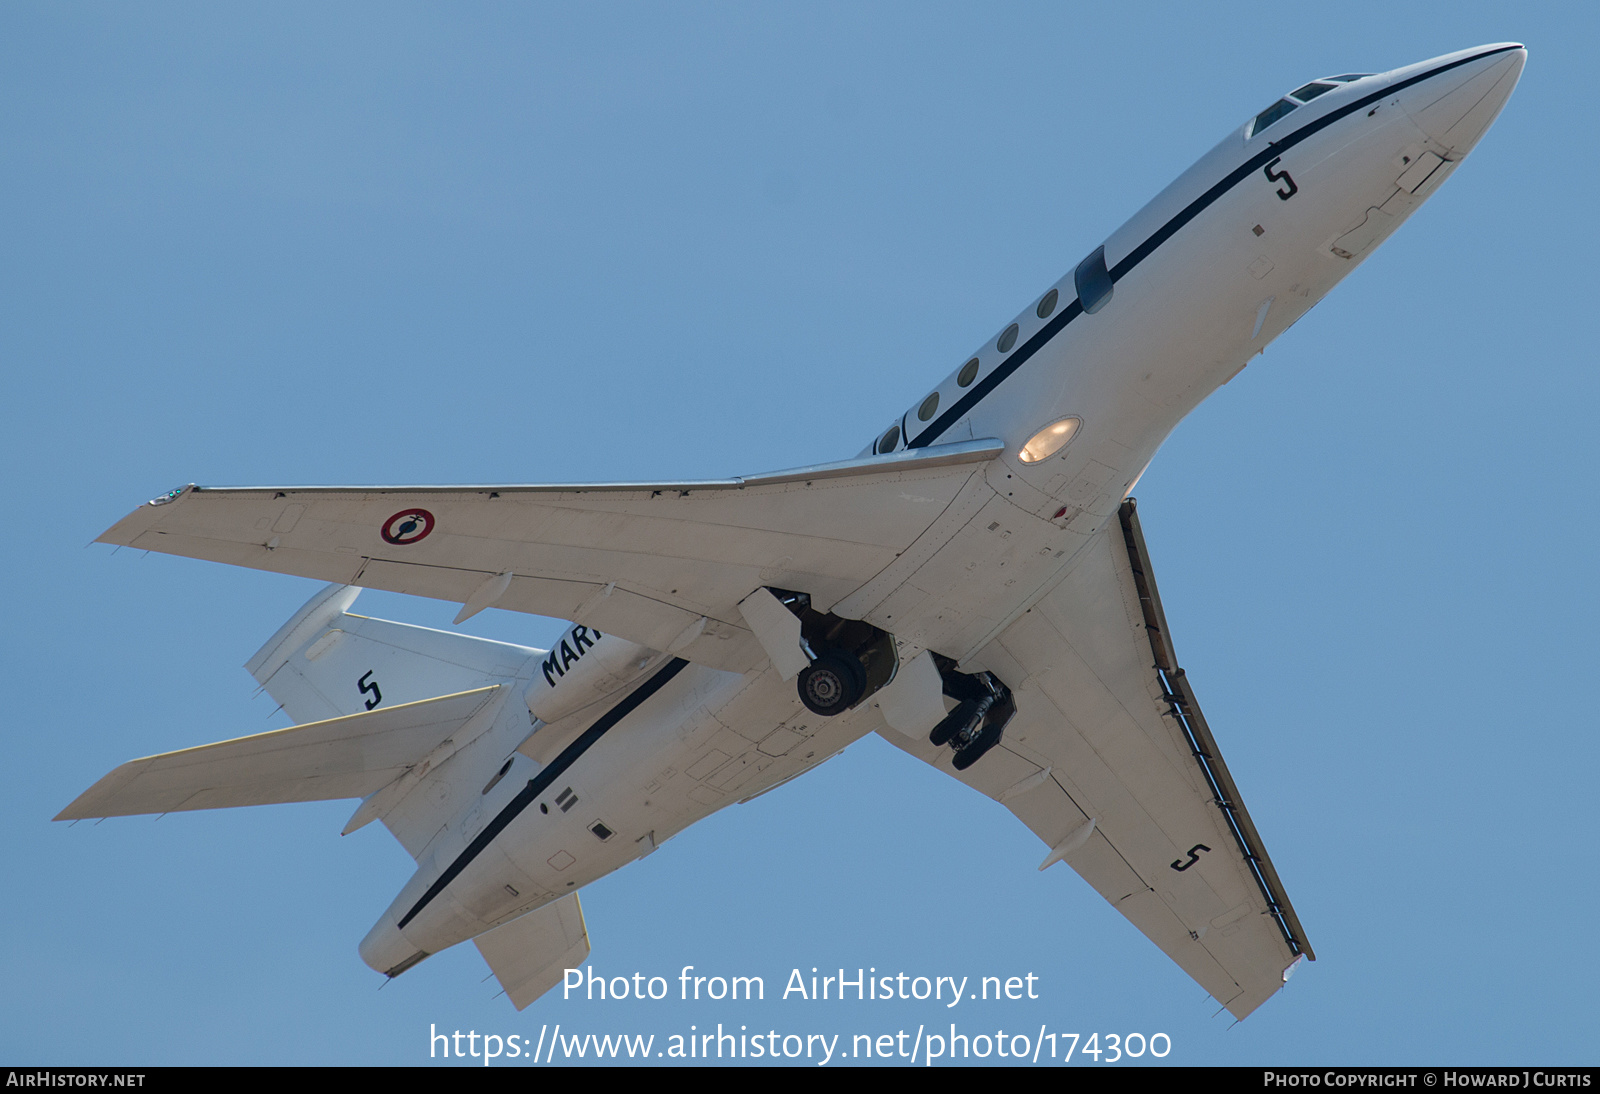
<point x="1179" y="300"/>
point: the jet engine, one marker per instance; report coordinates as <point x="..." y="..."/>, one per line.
<point x="583" y="668"/>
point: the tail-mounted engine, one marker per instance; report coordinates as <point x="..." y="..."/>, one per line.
<point x="583" y="668"/>
<point x="849" y="659"/>
<point x="983" y="707"/>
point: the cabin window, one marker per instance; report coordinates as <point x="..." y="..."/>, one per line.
<point x="1311" y="90"/>
<point x="968" y="373"/>
<point x="1271" y="114"/>
<point x="1093" y="281"/>
<point x="1047" y="305"/>
<point x="889" y="440"/>
<point x="1007" y="339"/>
<point x="928" y="407"/>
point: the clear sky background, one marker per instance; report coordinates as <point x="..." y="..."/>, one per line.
<point x="354" y="243"/>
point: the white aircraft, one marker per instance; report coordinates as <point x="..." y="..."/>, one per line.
<point x="974" y="587"/>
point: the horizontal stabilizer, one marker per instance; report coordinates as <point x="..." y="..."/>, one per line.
<point x="348" y="757"/>
<point x="530" y="954"/>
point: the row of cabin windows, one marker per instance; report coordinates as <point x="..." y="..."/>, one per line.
<point x="1093" y="283"/>
<point x="1091" y="277"/>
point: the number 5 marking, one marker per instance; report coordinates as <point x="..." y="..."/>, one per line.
<point x="1281" y="176"/>
<point x="368" y="684"/>
<point x="1194" y="857"/>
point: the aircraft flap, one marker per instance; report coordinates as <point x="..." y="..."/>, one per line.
<point x="347" y="757"/>
<point x="529" y="955"/>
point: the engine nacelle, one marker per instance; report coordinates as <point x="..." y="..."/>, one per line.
<point x="584" y="667"/>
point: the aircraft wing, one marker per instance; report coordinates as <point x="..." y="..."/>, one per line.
<point x="1108" y="730"/>
<point x="662" y="564"/>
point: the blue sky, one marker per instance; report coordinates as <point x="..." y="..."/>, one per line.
<point x="401" y="243"/>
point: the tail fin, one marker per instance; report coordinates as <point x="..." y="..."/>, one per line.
<point x="532" y="953"/>
<point x="326" y="662"/>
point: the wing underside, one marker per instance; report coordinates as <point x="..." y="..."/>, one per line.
<point x="1109" y="760"/>
<point x="1108" y="731"/>
<point x="662" y="564"/>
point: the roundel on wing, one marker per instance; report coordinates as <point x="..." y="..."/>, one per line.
<point x="407" y="526"/>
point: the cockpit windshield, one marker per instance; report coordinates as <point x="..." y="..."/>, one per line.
<point x="1271" y="114"/>
<point x="1298" y="96"/>
<point x="1312" y="90"/>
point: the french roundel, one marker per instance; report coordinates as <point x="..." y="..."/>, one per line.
<point x="407" y="526"/>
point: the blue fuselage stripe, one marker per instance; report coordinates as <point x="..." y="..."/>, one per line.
<point x="541" y="782"/>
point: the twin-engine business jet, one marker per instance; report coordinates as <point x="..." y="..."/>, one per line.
<point x="974" y="587"/>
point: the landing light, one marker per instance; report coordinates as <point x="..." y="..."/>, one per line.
<point x="1049" y="440"/>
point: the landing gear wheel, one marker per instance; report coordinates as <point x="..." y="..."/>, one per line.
<point x="832" y="684"/>
<point x="957" y="721"/>
<point x="983" y="742"/>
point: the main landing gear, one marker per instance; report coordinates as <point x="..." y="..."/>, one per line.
<point x="849" y="659"/>
<point x="833" y="683"/>
<point x="983" y="707"/>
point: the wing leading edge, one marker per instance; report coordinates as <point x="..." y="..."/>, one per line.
<point x="1111" y="763"/>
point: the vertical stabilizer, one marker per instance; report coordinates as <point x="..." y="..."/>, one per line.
<point x="529" y="955"/>
<point x="326" y="662"/>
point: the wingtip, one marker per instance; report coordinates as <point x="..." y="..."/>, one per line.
<point x="69" y="813"/>
<point x="122" y="533"/>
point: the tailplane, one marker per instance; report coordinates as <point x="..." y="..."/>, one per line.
<point x="351" y="757"/>
<point x="385" y="709"/>
<point x="419" y="724"/>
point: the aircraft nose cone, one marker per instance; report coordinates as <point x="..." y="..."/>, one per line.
<point x="1457" y="107"/>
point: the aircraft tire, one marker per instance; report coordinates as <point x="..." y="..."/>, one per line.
<point x="952" y="724"/>
<point x="832" y="684"/>
<point x="983" y="742"/>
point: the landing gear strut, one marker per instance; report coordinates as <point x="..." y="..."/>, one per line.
<point x="983" y="707"/>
